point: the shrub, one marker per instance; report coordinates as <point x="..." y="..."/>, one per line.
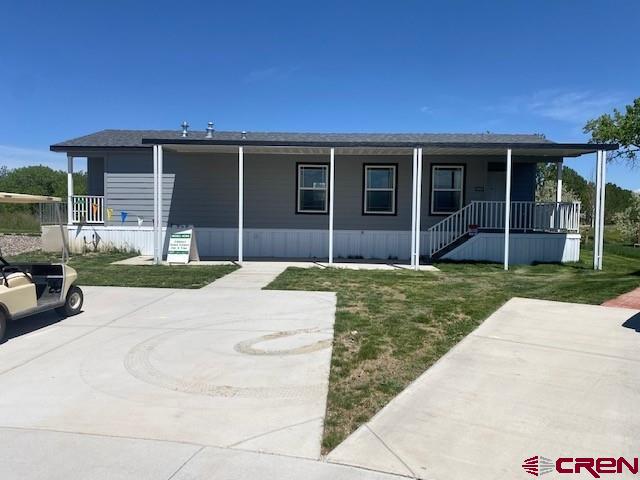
<point x="628" y="221"/>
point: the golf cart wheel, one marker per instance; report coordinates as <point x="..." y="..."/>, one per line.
<point x="73" y="303"/>
<point x="3" y="325"/>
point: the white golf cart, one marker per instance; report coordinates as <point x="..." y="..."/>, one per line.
<point x="30" y="288"/>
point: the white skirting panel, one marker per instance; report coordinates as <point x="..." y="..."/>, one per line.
<point x="217" y="242"/>
<point x="275" y="243"/>
<point x="524" y="248"/>
<point x="90" y="237"/>
<point x="375" y="244"/>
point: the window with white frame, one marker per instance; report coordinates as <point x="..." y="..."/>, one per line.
<point x="312" y="188"/>
<point x="380" y="189"/>
<point x="447" y="189"/>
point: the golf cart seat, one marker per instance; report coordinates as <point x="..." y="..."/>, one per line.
<point x="16" y="279"/>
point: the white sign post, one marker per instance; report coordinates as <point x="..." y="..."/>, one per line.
<point x="183" y="247"/>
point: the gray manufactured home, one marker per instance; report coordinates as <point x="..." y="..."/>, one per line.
<point x="391" y="197"/>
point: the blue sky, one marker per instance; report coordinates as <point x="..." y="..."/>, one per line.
<point x="545" y="66"/>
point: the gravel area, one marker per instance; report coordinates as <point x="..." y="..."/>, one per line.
<point x="15" y="244"/>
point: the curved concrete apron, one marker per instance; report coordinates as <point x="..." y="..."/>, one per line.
<point x="227" y="366"/>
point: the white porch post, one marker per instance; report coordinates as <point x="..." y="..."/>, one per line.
<point x="160" y="220"/>
<point x="596" y="220"/>
<point x="507" y="211"/>
<point x="155" y="204"/>
<point x="240" y="201"/>
<point x="413" y="206"/>
<point x="559" y="182"/>
<point x="69" y="189"/>
<point x="603" y="191"/>
<point x="418" y="205"/>
<point x="331" y="202"/>
<point x="601" y="188"/>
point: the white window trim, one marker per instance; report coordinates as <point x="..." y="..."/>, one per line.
<point x="434" y="189"/>
<point x="368" y="189"/>
<point x="299" y="208"/>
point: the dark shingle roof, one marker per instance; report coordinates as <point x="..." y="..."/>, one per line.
<point x="134" y="138"/>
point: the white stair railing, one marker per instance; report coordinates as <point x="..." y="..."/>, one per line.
<point x="88" y="209"/>
<point x="490" y="215"/>
<point x="455" y="226"/>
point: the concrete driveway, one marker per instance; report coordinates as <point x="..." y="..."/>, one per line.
<point x="536" y="378"/>
<point x="154" y="375"/>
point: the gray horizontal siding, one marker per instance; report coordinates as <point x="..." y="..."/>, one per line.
<point x="270" y="193"/>
<point x="202" y="189"/>
<point x="129" y="187"/>
<point x="205" y="191"/>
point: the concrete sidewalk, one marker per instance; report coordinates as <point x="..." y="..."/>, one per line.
<point x="255" y="275"/>
<point x="49" y="455"/>
<point x="536" y="378"/>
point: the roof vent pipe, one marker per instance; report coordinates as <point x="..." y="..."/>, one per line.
<point x="244" y="135"/>
<point x="185" y="129"/>
<point x="210" y="130"/>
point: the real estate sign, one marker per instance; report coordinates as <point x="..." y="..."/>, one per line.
<point x="183" y="247"/>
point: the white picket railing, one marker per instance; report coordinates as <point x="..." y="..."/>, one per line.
<point x="88" y="209"/>
<point x="490" y="215"/>
<point x="450" y="229"/>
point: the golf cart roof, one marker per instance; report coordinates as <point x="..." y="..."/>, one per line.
<point x="26" y="198"/>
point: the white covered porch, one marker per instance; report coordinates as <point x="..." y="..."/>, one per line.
<point x="506" y="217"/>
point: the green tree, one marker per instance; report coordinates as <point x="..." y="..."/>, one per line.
<point x="628" y="221"/>
<point x="576" y="188"/>
<point x="616" y="200"/>
<point x="546" y="184"/>
<point x="36" y="180"/>
<point x="40" y="180"/>
<point x="622" y="128"/>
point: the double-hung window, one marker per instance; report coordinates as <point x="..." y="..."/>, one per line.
<point x="380" y="189"/>
<point x="447" y="189"/>
<point x="312" y="188"/>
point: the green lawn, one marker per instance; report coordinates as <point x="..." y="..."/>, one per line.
<point x="96" y="269"/>
<point x="392" y="325"/>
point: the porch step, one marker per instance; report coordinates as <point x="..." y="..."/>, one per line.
<point x="452" y="246"/>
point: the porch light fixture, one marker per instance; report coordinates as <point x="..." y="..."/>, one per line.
<point x="185" y="129"/>
<point x="210" y="130"/>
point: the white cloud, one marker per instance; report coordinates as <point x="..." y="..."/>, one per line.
<point x="564" y="105"/>
<point x="426" y="109"/>
<point x="14" y="157"/>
